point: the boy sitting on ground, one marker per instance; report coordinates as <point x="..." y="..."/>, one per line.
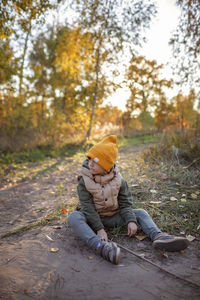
<point x="106" y="201"/>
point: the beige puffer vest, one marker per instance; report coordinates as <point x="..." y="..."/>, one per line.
<point x="104" y="189"/>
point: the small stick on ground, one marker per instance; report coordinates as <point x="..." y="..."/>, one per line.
<point x="157" y="266"/>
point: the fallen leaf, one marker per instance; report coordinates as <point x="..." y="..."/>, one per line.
<point x="153" y="191"/>
<point x="183" y="251"/>
<point x="76" y="270"/>
<point x="182" y="232"/>
<point x="142" y="255"/>
<point x="20" y="220"/>
<point x="194" y="196"/>
<point x="197" y="192"/>
<point x="54" y="250"/>
<point x="190" y="237"/>
<point x="63" y="210"/>
<point x="183" y="200"/>
<point x="34" y="213"/>
<point x="27" y="291"/>
<point x="49" y="238"/>
<point x="141" y="237"/>
<point x="173" y="199"/>
<point x="155" y="202"/>
<point x="163" y="253"/>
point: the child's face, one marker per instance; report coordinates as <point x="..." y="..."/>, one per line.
<point x="96" y="169"/>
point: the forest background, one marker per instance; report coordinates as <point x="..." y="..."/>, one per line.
<point x="56" y="73"/>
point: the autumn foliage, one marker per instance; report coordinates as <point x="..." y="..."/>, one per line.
<point x="53" y="84"/>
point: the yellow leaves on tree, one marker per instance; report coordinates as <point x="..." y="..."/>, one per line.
<point x="74" y="51"/>
<point x="184" y="112"/>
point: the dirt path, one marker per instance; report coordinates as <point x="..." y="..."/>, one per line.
<point x="29" y="270"/>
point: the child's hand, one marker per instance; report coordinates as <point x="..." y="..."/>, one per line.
<point x="132" y="229"/>
<point x="102" y="234"/>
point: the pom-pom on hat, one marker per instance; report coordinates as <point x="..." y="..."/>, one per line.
<point x="105" y="152"/>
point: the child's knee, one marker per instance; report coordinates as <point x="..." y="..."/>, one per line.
<point x="140" y="213"/>
<point x="73" y="217"/>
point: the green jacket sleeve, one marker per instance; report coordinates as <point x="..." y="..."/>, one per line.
<point x="125" y="203"/>
<point x="88" y="208"/>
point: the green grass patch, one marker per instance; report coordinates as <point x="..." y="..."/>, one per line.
<point x="133" y="141"/>
<point x="42" y="153"/>
<point x="68" y="150"/>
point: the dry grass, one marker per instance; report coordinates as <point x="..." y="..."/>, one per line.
<point x="167" y="189"/>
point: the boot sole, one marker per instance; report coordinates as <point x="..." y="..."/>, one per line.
<point x="117" y="256"/>
<point x="171" y="246"/>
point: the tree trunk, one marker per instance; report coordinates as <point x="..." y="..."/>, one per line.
<point x="21" y="76"/>
<point x="94" y="100"/>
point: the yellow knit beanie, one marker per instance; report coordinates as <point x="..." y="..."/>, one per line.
<point x="105" y="152"/>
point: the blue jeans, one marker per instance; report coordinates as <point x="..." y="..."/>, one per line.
<point x="77" y="221"/>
